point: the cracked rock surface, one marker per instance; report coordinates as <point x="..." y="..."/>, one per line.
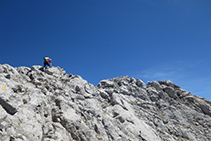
<point x="51" y="105"/>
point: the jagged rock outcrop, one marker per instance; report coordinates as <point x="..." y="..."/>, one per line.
<point x="51" y="105"/>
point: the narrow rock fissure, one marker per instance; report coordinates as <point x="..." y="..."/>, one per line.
<point x="7" y="107"/>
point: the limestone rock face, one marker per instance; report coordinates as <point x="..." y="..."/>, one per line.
<point x="50" y="105"/>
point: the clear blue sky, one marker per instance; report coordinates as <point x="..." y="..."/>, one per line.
<point x="102" y="39"/>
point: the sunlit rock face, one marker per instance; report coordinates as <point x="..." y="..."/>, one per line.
<point x="50" y="105"/>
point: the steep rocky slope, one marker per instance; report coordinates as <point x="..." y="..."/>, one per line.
<point x="51" y="105"/>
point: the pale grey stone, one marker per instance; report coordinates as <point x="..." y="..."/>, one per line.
<point x="205" y="107"/>
<point x="140" y="83"/>
<point x="50" y="105"/>
<point x="156" y="85"/>
<point x="170" y="91"/>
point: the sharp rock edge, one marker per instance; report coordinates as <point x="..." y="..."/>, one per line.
<point x="51" y="105"/>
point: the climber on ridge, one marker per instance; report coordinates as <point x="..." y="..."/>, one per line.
<point x="47" y="62"/>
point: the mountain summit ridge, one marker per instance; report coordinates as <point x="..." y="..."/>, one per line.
<point x="50" y="105"/>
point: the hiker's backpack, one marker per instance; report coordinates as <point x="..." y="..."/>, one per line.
<point x="47" y="59"/>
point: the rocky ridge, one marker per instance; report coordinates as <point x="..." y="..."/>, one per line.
<point x="51" y="105"/>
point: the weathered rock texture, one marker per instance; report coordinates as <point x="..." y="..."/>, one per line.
<point x="51" y="105"/>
